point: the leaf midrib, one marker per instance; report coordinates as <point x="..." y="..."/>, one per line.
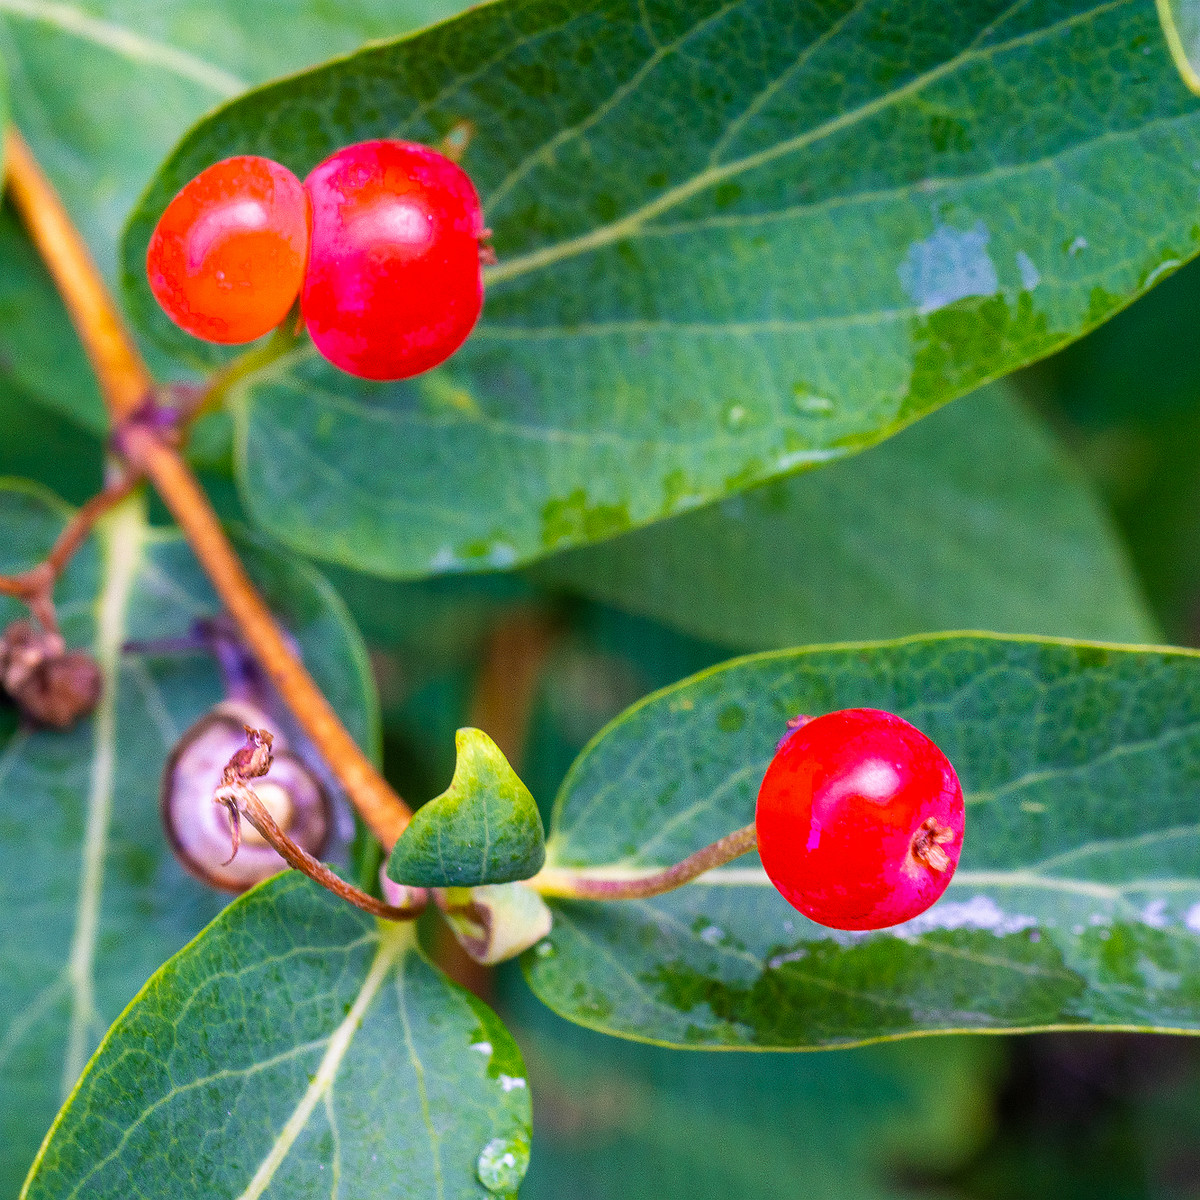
<point x="122" y="543"/>
<point x="394" y="941"/>
<point x="125" y="42"/>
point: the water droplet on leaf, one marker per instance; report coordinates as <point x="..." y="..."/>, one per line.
<point x="503" y="1163"/>
<point x="735" y="415"/>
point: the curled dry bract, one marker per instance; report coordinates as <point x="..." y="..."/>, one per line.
<point x="198" y="829"/>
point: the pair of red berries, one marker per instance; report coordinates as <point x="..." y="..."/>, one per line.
<point x="859" y="819"/>
<point x="382" y="243"/>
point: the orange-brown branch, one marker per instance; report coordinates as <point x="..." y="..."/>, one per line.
<point x="509" y="675"/>
<point x="379" y="805"/>
<point x="124" y="379"/>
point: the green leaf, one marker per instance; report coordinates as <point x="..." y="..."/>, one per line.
<point x="484" y="828"/>
<point x="40" y="444"/>
<point x="3" y="112"/>
<point x="1181" y="27"/>
<point x="93" y="899"/>
<point x="708" y="276"/>
<point x="40" y="354"/>
<point x="972" y="519"/>
<point x="102" y="91"/>
<point x="296" y="1047"/>
<point x="1076" y="904"/>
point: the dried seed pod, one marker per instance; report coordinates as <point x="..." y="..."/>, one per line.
<point x="198" y="829"/>
<point x="50" y="684"/>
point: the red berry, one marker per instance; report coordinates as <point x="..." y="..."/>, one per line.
<point x="227" y="257"/>
<point x="859" y="819"/>
<point x="394" y="284"/>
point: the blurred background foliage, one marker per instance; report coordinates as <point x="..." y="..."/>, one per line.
<point x="1115" y="418"/>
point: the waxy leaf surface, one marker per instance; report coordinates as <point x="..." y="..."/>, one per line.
<point x="734" y="239"/>
<point x="296" y="1048"/>
<point x="93" y="900"/>
<point x="484" y="828"/>
<point x="1076" y="902"/>
<point x="3" y="109"/>
<point x="971" y="519"/>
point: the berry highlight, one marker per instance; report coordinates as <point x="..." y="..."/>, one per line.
<point x="227" y="257"/>
<point x="394" y="283"/>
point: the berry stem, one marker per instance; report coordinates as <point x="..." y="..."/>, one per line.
<point x="214" y="394"/>
<point x="614" y="883"/>
<point x="129" y="390"/>
<point x="253" y="809"/>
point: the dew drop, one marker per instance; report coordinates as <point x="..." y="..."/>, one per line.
<point x="502" y="1164"/>
<point x="951" y="264"/>
<point x="1030" y="275"/>
<point x="809" y="403"/>
<point x="735" y="416"/>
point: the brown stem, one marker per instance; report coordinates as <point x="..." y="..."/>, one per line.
<point x="381" y="808"/>
<point x="124" y="379"/>
<point x="506" y="687"/>
<point x="127" y="386"/>
<point x="36" y="586"/>
<point x="582" y="885"/>
<point x="81" y="523"/>
<point x="296" y="856"/>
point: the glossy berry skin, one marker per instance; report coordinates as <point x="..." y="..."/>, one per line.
<point x="859" y="819"/>
<point x="394" y="282"/>
<point x="227" y="258"/>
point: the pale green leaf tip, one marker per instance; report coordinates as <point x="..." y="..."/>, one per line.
<point x="484" y="828"/>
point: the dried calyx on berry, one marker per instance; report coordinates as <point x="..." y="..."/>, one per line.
<point x="50" y="684"/>
<point x="200" y="830"/>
